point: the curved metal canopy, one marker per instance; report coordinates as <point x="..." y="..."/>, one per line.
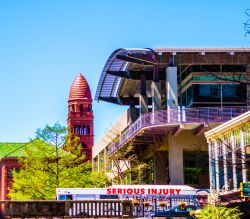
<point x="119" y="62"/>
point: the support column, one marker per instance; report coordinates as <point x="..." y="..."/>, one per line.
<point x="225" y="163"/>
<point x="234" y="162"/>
<point x="216" y="158"/>
<point x="175" y="158"/>
<point x="143" y="100"/>
<point x="131" y="112"/>
<point x="171" y="88"/>
<point x="210" y="168"/>
<point x="243" y="154"/>
<point x="160" y="168"/>
<point x="156" y="90"/>
<point x="156" y="95"/>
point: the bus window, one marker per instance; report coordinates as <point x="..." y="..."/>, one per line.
<point x="85" y="197"/>
<point x="65" y="197"/>
<point x="108" y="196"/>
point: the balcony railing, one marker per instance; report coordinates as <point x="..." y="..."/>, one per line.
<point x="178" y="116"/>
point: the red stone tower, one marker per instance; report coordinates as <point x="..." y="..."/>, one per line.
<point x="80" y="114"/>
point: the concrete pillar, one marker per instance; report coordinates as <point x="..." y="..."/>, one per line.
<point x="171" y="88"/>
<point x="160" y="168"/>
<point x="156" y="95"/>
<point x="216" y="157"/>
<point x="234" y="162"/>
<point x="143" y="104"/>
<point x="131" y="112"/>
<point x="143" y="99"/>
<point x="210" y="168"/>
<point x="225" y="163"/>
<point x="175" y="159"/>
<point x="243" y="154"/>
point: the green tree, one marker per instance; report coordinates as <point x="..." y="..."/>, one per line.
<point x="128" y="166"/>
<point x="53" y="161"/>
<point x="247" y="23"/>
<point x="219" y="212"/>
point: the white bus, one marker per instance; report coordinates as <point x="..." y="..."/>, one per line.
<point x="125" y="192"/>
<point x="171" y="195"/>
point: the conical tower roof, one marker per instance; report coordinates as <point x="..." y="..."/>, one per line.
<point x="80" y="89"/>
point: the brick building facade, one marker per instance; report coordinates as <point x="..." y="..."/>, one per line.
<point x="9" y="153"/>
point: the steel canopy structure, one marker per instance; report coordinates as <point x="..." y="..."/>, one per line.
<point x="122" y="65"/>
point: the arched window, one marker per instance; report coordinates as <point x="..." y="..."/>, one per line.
<point x="89" y="108"/>
<point x="84" y="146"/>
<point x="75" y="130"/>
<point x="85" y="130"/>
<point x="88" y="129"/>
<point x="81" y="108"/>
<point x="71" y="108"/>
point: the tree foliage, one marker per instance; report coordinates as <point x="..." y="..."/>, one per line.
<point x="247" y="23"/>
<point x="219" y="212"/>
<point x="128" y="166"/>
<point x="126" y="162"/>
<point x="47" y="166"/>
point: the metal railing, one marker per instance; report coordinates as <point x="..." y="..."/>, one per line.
<point x="168" y="206"/>
<point x="68" y="209"/>
<point x="178" y="116"/>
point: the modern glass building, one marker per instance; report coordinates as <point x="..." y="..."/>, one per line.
<point x="200" y="85"/>
<point x="173" y="97"/>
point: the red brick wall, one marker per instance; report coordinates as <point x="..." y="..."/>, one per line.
<point x="6" y="164"/>
<point x="78" y="118"/>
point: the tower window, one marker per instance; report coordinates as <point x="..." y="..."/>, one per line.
<point x="79" y="130"/>
<point x="90" y="108"/>
<point x="85" y="131"/>
<point x="81" y="108"/>
<point x="10" y="173"/>
<point x="71" y="108"/>
<point x="84" y="146"/>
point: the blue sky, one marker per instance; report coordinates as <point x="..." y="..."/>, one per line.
<point x="45" y="43"/>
